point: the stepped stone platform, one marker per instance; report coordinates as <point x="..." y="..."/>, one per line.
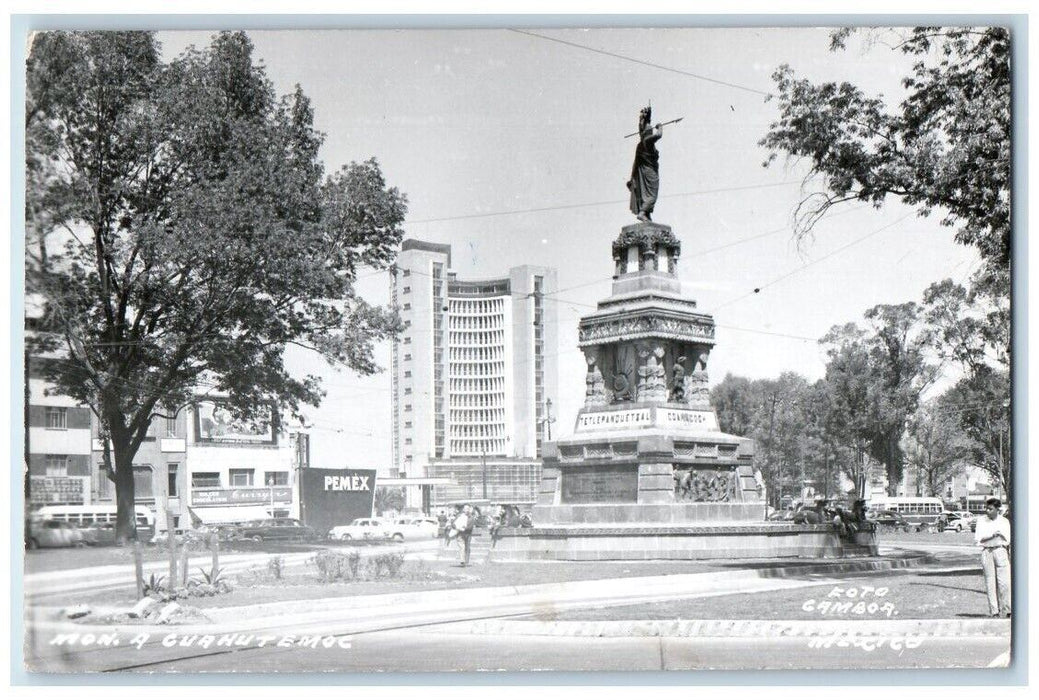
<point x="760" y="540"/>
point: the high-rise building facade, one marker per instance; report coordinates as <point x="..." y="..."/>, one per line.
<point x="475" y="367"/>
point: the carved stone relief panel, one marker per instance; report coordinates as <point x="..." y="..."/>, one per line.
<point x="704" y="485"/>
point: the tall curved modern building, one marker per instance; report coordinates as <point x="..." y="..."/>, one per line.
<point x="474" y="373"/>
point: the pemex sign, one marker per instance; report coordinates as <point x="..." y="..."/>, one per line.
<point x="331" y="497"/>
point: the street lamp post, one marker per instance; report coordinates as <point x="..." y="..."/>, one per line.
<point x="773" y="398"/>
<point x="483" y="466"/>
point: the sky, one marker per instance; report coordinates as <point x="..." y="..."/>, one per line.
<point x="510" y="147"/>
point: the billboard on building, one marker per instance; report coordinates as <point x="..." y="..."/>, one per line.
<point x="331" y="497"/>
<point x="59" y="490"/>
<point x="214" y="422"/>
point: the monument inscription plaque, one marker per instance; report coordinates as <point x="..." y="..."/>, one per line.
<point x="615" y="483"/>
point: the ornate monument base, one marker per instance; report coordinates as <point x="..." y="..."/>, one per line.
<point x="652" y="463"/>
<point x="647" y="473"/>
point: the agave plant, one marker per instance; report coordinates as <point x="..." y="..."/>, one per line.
<point x="213" y="576"/>
<point x="154" y="584"/>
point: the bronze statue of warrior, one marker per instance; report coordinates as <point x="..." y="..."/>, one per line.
<point x="645" y="172"/>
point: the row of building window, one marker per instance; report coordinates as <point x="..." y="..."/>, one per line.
<point x="491" y="415"/>
<point x="490" y="430"/>
<point x="474" y="289"/>
<point x="438" y="353"/>
<point x="475" y="401"/>
<point x="485" y="370"/>
<point x="476" y="339"/>
<point x="57" y="418"/>
<point x="461" y="354"/>
<point x="480" y="385"/>
<point x="476" y="447"/>
<point x="477" y="307"/>
<point x="476" y="323"/>
<point x="58" y="465"/>
<point x="539" y="348"/>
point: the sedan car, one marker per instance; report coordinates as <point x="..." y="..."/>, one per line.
<point x="99" y="534"/>
<point x="413" y="528"/>
<point x="889" y="518"/>
<point x="52" y="533"/>
<point x="277" y="529"/>
<point x="362" y="529"/>
<point x="957" y="523"/>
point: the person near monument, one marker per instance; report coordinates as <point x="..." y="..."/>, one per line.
<point x="992" y="534"/>
<point x="463" y="525"/>
<point x="645" y="172"/>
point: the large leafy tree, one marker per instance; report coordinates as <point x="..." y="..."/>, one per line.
<point x="736" y="400"/>
<point x="971" y="330"/>
<point x="181" y="232"/>
<point x="877" y="377"/>
<point x="980" y="405"/>
<point x="945" y="147"/>
<point x="935" y="446"/>
<point x="786" y="417"/>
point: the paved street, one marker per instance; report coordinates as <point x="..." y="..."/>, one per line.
<point x="430" y="649"/>
<point x="46" y="586"/>
<point x="472" y="629"/>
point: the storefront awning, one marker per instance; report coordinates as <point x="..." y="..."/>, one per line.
<point x="217" y="515"/>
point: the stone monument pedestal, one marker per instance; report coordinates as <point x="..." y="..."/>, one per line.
<point x="647" y="473"/>
<point x="648" y="463"/>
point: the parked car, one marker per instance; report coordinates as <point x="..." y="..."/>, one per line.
<point x="413" y="528"/>
<point x="362" y="529"/>
<point x="278" y="529"/>
<point x="227" y="533"/>
<point x="52" y="533"/>
<point x="889" y="518"/>
<point x="99" y="534"/>
<point x="957" y="523"/>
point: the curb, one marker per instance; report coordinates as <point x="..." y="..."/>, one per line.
<point x="735" y="628"/>
<point x="551" y="595"/>
<point x="120" y="576"/>
<point x="590" y="588"/>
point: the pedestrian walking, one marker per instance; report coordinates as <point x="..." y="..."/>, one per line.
<point x="463" y="525"/>
<point x="992" y="534"/>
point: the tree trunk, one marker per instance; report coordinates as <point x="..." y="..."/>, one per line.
<point x="125" y="519"/>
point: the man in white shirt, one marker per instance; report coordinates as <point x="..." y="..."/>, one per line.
<point x="992" y="533"/>
<point x="464" y="525"/>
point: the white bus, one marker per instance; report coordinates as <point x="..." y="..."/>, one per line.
<point x="85" y="516"/>
<point x="918" y="510"/>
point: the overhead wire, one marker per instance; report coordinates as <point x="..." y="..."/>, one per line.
<point x="559" y="207"/>
<point x="804" y="267"/>
<point x="649" y="64"/>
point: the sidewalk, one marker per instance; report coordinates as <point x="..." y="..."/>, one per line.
<point x="121" y="576"/>
<point x="354" y="614"/>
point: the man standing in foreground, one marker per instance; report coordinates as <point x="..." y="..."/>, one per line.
<point x="992" y="533"/>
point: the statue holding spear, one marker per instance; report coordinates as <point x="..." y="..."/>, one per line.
<point x="644" y="184"/>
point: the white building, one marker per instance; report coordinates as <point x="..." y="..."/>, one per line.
<point x="59" y="445"/>
<point x="475" y="368"/>
<point x="240" y="472"/>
